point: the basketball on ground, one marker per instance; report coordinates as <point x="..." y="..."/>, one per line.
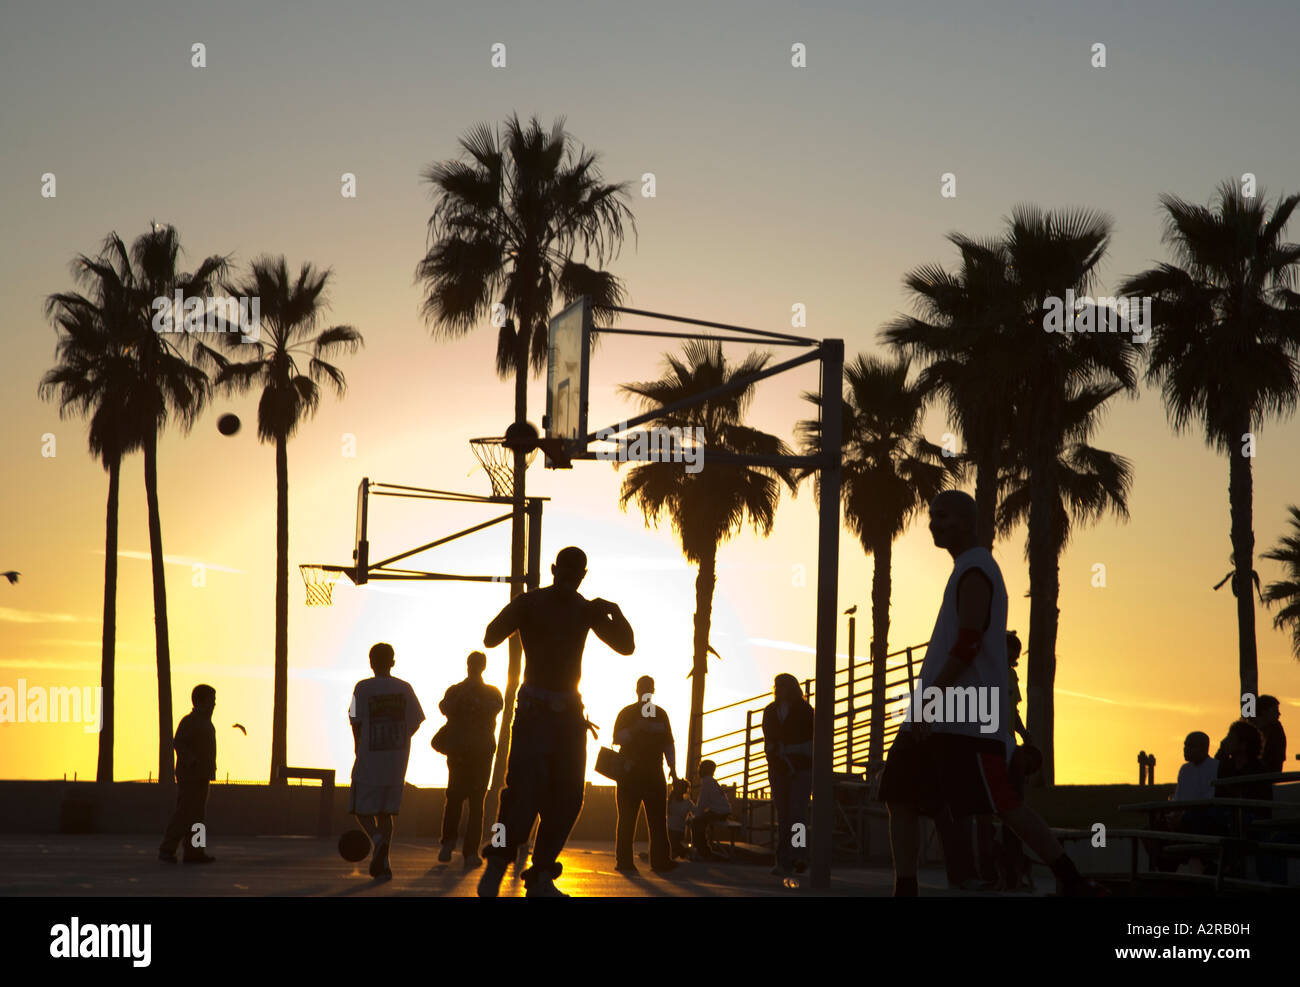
<point x="354" y="845"/>
<point x="228" y="424"/>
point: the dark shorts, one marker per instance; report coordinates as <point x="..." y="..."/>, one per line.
<point x="967" y="775"/>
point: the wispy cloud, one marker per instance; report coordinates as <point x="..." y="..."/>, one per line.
<point x="183" y="560"/>
<point x="1134" y="703"/>
<point x="65" y="642"/>
<point x="803" y="649"/>
<point x="13" y="615"/>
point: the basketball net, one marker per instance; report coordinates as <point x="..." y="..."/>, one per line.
<point x="320" y="584"/>
<point x="498" y="463"/>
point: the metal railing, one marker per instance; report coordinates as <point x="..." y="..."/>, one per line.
<point x="738" y="752"/>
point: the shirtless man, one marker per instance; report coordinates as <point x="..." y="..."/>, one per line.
<point x="548" y="747"/>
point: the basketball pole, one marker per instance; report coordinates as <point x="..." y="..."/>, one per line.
<point x="828" y="566"/>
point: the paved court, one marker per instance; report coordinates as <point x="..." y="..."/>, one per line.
<point x="127" y="865"/>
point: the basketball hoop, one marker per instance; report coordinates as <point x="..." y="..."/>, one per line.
<point x="498" y="462"/>
<point x="320" y="582"/>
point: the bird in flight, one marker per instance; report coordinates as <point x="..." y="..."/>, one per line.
<point x="11" y="576"/>
<point x="240" y="728"/>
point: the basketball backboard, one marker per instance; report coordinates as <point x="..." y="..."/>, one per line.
<point x="361" y="550"/>
<point x="567" y="370"/>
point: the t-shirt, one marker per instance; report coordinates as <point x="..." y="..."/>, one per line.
<point x="387" y="712"/>
<point x="196" y="748"/>
<point x="652" y="736"/>
<point x="1194" y="780"/>
<point x="471" y="707"/>
<point x="712" y="798"/>
<point x="987" y="672"/>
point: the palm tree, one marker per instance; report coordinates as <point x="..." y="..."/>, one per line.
<point x="508" y="222"/>
<point x="165" y="386"/>
<point x="171" y="388"/>
<point x="890" y="473"/>
<point x="1287" y="591"/>
<point x="964" y="334"/>
<point x="1090" y="484"/>
<point x="1226" y="334"/>
<point x="1063" y="380"/>
<point x="290" y="310"/>
<point x="709" y="506"/>
<point x="96" y="376"/>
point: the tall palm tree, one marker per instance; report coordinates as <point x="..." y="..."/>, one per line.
<point x="709" y="506"/>
<point x="964" y="333"/>
<point x="166" y="387"/>
<point x="1090" y="483"/>
<point x="291" y="308"/>
<point x="1226" y="334"/>
<point x="96" y="376"/>
<point x="890" y="473"/>
<point x="510" y="219"/>
<point x="1049" y="254"/>
<point x="1287" y="590"/>
<point x="172" y="389"/>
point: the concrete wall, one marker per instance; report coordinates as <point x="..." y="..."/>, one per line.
<point x="236" y="810"/>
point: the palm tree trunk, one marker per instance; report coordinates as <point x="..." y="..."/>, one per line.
<point x="280" y="689"/>
<point x="104" y="767"/>
<point x="1240" y="497"/>
<point x="1044" y="590"/>
<point x="705" y="581"/>
<point x="986" y="490"/>
<point x="517" y="529"/>
<point x="881" y="590"/>
<point x="165" y="724"/>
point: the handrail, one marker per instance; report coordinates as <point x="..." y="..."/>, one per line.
<point x="852" y="745"/>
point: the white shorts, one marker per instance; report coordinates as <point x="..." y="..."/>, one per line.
<point x="373" y="800"/>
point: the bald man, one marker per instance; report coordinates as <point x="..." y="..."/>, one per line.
<point x="947" y="762"/>
<point x="548" y="749"/>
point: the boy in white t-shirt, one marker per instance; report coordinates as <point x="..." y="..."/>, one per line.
<point x="384" y="714"/>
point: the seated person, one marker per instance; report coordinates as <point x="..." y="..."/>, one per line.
<point x="1239" y="755"/>
<point x="711" y="807"/>
<point x="1269" y="722"/>
<point x="680" y="807"/>
<point x="1195" y="782"/>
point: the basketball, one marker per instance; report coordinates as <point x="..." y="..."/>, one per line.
<point x="228" y="424"/>
<point x="354" y="845"/>
<point x="521" y="435"/>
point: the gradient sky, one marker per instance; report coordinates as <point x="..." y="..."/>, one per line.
<point x="775" y="186"/>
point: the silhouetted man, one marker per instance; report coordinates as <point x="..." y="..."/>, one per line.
<point x="645" y="739"/>
<point x="196" y="767"/>
<point x="548" y="747"/>
<point x="788" y="744"/>
<point x="941" y="762"/>
<point x="471" y="707"/>
<point x="384" y="714"/>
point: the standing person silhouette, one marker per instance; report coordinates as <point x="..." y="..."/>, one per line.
<point x="959" y="763"/>
<point x="471" y="707"/>
<point x="384" y="712"/>
<point x="548" y="747"/>
<point x="645" y="739"/>
<point x="788" y="745"/>
<point x="196" y="767"/>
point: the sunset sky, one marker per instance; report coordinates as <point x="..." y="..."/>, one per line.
<point x="775" y="185"/>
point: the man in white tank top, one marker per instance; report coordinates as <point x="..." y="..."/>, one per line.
<point x="950" y="758"/>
